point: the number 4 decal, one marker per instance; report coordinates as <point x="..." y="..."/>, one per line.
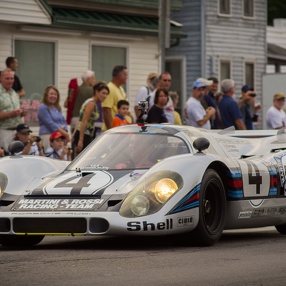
<point x="87" y="184"/>
<point x="77" y="186"/>
<point x="254" y="180"/>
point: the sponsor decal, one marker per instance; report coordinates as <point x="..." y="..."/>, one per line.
<point x="54" y="204"/>
<point x="280" y="160"/>
<point x="246" y="214"/>
<point x="185" y="221"/>
<point x="149" y="226"/>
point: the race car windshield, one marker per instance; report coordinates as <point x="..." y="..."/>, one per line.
<point x="129" y="151"/>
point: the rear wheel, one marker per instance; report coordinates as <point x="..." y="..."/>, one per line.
<point x="20" y="240"/>
<point x="212" y="210"/>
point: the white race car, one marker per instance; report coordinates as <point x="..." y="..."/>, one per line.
<point x="148" y="180"/>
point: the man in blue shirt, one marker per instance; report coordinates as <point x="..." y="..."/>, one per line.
<point x="228" y="107"/>
<point x="245" y="103"/>
<point x="209" y="100"/>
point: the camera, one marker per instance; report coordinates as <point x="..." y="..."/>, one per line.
<point x="38" y="139"/>
<point x="143" y="105"/>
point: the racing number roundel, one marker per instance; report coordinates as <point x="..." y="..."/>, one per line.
<point x="85" y="184"/>
<point x="255" y="178"/>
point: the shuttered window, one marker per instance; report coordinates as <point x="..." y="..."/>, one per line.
<point x="248" y="8"/>
<point x="249" y="74"/>
<point x="104" y="58"/>
<point x="36" y="71"/>
<point x="225" y="69"/>
<point x="224" y="7"/>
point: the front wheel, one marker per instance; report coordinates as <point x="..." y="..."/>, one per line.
<point x="20" y="240"/>
<point x="212" y="210"/>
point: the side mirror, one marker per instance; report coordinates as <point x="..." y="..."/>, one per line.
<point x="16" y="147"/>
<point x="201" y="144"/>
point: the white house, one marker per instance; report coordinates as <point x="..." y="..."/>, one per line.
<point x="56" y="41"/>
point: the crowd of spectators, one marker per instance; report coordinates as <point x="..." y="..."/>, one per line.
<point x="95" y="106"/>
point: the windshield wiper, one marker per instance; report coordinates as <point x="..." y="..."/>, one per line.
<point x="91" y="167"/>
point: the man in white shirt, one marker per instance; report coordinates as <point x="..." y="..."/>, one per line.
<point x="196" y="114"/>
<point x="275" y="116"/>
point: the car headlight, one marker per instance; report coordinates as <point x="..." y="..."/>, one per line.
<point x="3" y="183"/>
<point x="151" y="194"/>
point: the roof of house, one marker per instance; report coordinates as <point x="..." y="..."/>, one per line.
<point x="276" y="52"/>
<point x="99" y="21"/>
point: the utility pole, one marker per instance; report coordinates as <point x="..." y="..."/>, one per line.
<point x="164" y="29"/>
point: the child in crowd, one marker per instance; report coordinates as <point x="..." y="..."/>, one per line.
<point x="122" y="112"/>
<point x="57" y="149"/>
<point x="32" y="144"/>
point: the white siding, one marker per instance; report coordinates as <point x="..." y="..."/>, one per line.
<point x="23" y="11"/>
<point x="73" y="56"/>
<point x="190" y="47"/>
<point x="277" y="33"/>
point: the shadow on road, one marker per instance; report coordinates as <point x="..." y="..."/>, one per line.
<point x="228" y="239"/>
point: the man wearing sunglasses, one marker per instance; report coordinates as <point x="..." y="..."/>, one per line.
<point x="246" y="104"/>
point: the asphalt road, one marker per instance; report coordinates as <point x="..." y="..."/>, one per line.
<point x="248" y="257"/>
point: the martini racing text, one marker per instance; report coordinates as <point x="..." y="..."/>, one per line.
<point x="53" y="204"/>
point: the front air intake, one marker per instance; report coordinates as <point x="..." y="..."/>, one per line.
<point x="49" y="225"/>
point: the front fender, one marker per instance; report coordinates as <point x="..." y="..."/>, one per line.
<point x="22" y="170"/>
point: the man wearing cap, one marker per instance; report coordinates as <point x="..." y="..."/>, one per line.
<point x="32" y="144"/>
<point x="245" y="104"/>
<point x="196" y="114"/>
<point x="144" y="92"/>
<point x="10" y="111"/>
<point x="275" y="116"/>
<point x="228" y="107"/>
<point x="209" y="100"/>
<point x="57" y="149"/>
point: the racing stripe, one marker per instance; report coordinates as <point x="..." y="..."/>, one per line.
<point x="190" y="201"/>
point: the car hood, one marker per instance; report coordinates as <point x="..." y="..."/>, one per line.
<point x="87" y="190"/>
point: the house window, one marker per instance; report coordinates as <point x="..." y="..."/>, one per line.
<point x="104" y="59"/>
<point x="248" y="8"/>
<point x="249" y="74"/>
<point x="225" y="69"/>
<point x="224" y="7"/>
<point x="36" y="71"/>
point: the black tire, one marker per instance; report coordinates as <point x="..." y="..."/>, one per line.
<point x="281" y="228"/>
<point x="212" y="210"/>
<point x="20" y="240"/>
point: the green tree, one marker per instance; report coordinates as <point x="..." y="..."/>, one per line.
<point x="276" y="9"/>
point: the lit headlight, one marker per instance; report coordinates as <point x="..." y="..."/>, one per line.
<point x="3" y="183"/>
<point x="151" y="194"/>
<point x="164" y="189"/>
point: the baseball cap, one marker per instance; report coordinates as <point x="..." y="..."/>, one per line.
<point x="56" y="135"/>
<point x="201" y="82"/>
<point x="152" y="75"/>
<point x="23" y="128"/>
<point x="246" y="88"/>
<point x="279" y="95"/>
